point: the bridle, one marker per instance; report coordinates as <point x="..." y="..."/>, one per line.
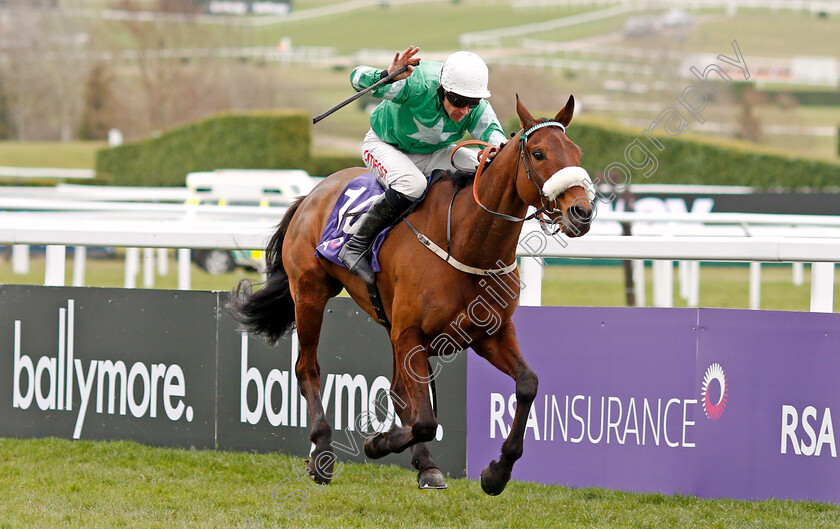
<point x="533" y="175"/>
<point x="524" y="157"/>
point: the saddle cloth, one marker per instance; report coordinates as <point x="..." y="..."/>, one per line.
<point x="354" y="201"/>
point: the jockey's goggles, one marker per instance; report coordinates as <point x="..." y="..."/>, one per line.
<point x="461" y="101"/>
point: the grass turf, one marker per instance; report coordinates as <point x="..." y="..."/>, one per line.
<point x="58" y="483"/>
<point x="68" y="155"/>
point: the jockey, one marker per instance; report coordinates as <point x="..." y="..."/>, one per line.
<point x="413" y="131"/>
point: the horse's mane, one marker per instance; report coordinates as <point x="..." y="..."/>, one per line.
<point x="461" y="179"/>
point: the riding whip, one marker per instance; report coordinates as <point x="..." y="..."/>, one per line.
<point x="359" y="94"/>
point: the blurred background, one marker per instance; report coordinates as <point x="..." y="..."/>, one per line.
<point x="73" y="70"/>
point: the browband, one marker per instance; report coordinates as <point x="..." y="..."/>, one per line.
<point x="538" y="126"/>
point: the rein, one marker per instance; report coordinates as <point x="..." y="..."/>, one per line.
<point x="533" y="176"/>
<point x="482" y="163"/>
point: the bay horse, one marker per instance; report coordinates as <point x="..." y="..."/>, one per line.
<point x="424" y="296"/>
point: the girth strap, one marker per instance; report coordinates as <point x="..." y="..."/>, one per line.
<point x="378" y="307"/>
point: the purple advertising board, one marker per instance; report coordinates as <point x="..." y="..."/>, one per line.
<point x="704" y="402"/>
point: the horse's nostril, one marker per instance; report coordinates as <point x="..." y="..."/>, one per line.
<point x="580" y="214"/>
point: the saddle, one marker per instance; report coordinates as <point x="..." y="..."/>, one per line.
<point x="353" y="202"/>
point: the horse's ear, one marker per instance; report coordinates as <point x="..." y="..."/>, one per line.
<point x="525" y="118"/>
<point x="565" y="115"/>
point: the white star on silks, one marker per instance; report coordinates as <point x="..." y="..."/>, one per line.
<point x="431" y="135"/>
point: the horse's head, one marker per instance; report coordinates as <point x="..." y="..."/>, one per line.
<point x="549" y="176"/>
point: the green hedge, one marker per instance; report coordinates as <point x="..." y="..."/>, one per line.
<point x="281" y="140"/>
<point x="277" y="140"/>
<point x="823" y="98"/>
<point x="327" y="165"/>
<point x="689" y="161"/>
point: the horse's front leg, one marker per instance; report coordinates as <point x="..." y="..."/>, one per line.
<point x="411" y="369"/>
<point x="502" y="350"/>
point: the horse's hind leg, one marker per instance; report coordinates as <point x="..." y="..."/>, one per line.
<point x="312" y="291"/>
<point x="429" y="475"/>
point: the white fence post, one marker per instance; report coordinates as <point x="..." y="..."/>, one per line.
<point x="693" y="299"/>
<point x="132" y="266"/>
<point x="822" y="287"/>
<point x="162" y="261"/>
<point x="148" y="267"/>
<point x="79" y="262"/>
<point x="20" y="259"/>
<point x="639" y="282"/>
<point x="530" y="274"/>
<point x="755" y="285"/>
<point x="184" y="263"/>
<point x="54" y="273"/>
<point x="663" y="283"/>
<point x="798" y="274"/>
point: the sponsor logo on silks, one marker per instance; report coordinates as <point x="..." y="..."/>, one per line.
<point x="714" y="379"/>
<point x="158" y="384"/>
<point x="375" y="165"/>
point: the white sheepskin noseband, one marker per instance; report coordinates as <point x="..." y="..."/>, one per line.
<point x="566" y="178"/>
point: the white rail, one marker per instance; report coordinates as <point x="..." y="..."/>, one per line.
<point x="491" y="36"/>
<point x="140" y="233"/>
<point x="737" y="219"/>
<point x="80" y="206"/>
<point x="45" y="172"/>
<point x="110" y="193"/>
<point x="534" y="246"/>
<point x="84" y="216"/>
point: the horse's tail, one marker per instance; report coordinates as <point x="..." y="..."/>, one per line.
<point x="269" y="311"/>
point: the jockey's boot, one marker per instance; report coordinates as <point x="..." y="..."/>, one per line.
<point x="382" y="213"/>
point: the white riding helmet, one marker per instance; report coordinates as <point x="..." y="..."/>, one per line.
<point x="465" y="74"/>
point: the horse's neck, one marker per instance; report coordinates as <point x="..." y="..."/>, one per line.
<point x="481" y="236"/>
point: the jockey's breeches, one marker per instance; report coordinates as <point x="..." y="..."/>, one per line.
<point x="406" y="172"/>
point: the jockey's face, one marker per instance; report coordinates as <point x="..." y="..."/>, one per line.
<point x="456" y="114"/>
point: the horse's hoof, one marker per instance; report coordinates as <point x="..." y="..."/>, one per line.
<point x="431" y="478"/>
<point x="492" y="482"/>
<point x="320" y="467"/>
<point x="374" y="448"/>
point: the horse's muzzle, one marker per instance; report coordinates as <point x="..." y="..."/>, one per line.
<point x="577" y="220"/>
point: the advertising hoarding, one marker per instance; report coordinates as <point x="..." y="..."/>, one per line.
<point x="171" y="368"/>
<point x="706" y="402"/>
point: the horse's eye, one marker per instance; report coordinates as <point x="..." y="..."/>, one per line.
<point x="539" y="155"/>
